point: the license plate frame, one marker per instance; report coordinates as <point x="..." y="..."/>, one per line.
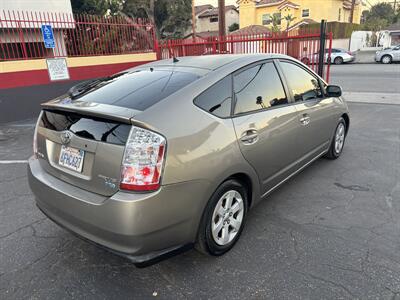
<point x="71" y="158"/>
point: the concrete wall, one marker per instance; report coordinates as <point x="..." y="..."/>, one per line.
<point x="25" y="84"/>
<point x="34" y="72"/>
<point x="341" y="43"/>
<point x="23" y="103"/>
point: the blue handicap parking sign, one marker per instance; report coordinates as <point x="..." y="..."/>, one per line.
<point x="48" y="36"/>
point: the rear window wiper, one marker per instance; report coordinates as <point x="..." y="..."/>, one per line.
<point x="84" y="87"/>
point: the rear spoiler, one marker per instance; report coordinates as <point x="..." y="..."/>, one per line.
<point x="104" y="111"/>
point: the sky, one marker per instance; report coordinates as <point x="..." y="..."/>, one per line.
<point x="228" y="2"/>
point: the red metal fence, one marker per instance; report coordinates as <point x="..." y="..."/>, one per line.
<point x="303" y="46"/>
<point x="87" y="35"/>
<point x="74" y="35"/>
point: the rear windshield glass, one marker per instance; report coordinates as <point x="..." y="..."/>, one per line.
<point x="138" y="90"/>
<point x="86" y="127"/>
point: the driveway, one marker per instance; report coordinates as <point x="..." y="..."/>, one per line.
<point x="332" y="231"/>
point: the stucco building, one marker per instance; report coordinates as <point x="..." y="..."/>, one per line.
<point x="207" y="18"/>
<point x="262" y="12"/>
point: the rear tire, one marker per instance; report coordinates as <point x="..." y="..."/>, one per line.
<point x="386" y="59"/>
<point x="337" y="144"/>
<point x="223" y="219"/>
<point x="338" y="60"/>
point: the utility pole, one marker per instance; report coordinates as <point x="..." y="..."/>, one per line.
<point x="221" y="17"/>
<point x="353" y="4"/>
<point x="193" y="21"/>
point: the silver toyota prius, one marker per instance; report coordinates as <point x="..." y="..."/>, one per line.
<point x="172" y="154"/>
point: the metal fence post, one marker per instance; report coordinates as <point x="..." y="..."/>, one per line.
<point x="321" y="54"/>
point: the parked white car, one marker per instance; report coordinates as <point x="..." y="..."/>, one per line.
<point x="388" y="55"/>
<point x="338" y="57"/>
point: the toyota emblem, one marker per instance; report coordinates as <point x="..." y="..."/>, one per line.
<point x="66" y="137"/>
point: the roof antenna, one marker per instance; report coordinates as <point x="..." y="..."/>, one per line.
<point x="174" y="59"/>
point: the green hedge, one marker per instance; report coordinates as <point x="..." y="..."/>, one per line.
<point x="339" y="30"/>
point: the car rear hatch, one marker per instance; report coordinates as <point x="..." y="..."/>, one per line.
<point x="81" y="136"/>
<point x="83" y="143"/>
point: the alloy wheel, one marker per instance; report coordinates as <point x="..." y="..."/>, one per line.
<point x="339" y="138"/>
<point x="227" y="217"/>
<point x="386" y="59"/>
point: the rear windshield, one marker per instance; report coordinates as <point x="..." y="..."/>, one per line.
<point x="86" y="127"/>
<point x="138" y="90"/>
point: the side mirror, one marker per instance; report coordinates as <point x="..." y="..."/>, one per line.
<point x="334" y="91"/>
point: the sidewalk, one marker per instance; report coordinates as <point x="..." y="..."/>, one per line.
<point x="376" y="98"/>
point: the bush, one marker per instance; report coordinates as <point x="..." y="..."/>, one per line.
<point x="339" y="30"/>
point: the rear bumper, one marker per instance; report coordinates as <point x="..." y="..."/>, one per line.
<point x="141" y="227"/>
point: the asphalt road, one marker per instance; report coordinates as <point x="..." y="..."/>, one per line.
<point x="331" y="232"/>
<point x="374" y="78"/>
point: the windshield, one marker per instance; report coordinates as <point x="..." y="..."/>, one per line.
<point x="136" y="90"/>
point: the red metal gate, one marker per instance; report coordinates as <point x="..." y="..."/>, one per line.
<point x="304" y="47"/>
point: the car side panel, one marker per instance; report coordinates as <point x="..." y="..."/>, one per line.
<point x="274" y="150"/>
<point x="315" y="136"/>
<point x="200" y="146"/>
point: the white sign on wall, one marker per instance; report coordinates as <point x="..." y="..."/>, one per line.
<point x="58" y="69"/>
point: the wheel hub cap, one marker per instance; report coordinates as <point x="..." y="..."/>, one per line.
<point x="227" y="217"/>
<point x="339" y="138"/>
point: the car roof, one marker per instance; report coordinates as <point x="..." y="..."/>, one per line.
<point x="212" y="62"/>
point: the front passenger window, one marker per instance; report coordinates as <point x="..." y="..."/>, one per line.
<point x="258" y="88"/>
<point x="304" y="85"/>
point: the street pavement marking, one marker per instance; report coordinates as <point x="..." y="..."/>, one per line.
<point x="9" y="162"/>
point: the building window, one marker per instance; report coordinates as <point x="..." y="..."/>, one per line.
<point x="214" y="20"/>
<point x="266" y="19"/>
<point x="278" y="18"/>
<point x="305" y="13"/>
<point x="340" y="14"/>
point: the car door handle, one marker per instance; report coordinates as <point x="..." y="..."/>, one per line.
<point x="305" y="120"/>
<point x="249" y="137"/>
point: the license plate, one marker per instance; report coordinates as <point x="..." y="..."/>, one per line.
<point x="71" y="158"/>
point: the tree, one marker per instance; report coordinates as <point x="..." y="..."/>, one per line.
<point x="380" y="16"/>
<point x="96" y="7"/>
<point x="375" y="24"/>
<point x="171" y="18"/>
<point x="382" y="10"/>
<point x="276" y="21"/>
<point x="289" y="19"/>
<point x="233" y="27"/>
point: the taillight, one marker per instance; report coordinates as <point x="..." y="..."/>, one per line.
<point x="143" y="160"/>
<point x="35" y="147"/>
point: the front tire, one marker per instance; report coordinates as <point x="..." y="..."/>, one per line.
<point x="338" y="60"/>
<point x="337" y="144"/>
<point x="223" y="219"/>
<point x="386" y="59"/>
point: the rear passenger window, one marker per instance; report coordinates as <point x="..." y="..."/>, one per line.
<point x="217" y="99"/>
<point x="303" y="85"/>
<point x="259" y="87"/>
